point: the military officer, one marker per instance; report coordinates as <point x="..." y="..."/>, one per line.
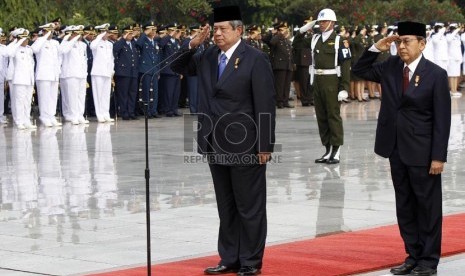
<point x="281" y="62"/>
<point x="21" y="78"/>
<point x="87" y="38"/>
<point x="73" y="75"/>
<point x="149" y="67"/>
<point x="254" y="37"/>
<point x="330" y="76"/>
<point x="126" y="72"/>
<point x="47" y="75"/>
<point x="302" y="53"/>
<point x="170" y="82"/>
<point x="102" y="73"/>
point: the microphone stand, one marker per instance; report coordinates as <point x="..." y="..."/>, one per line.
<point x="146" y="102"/>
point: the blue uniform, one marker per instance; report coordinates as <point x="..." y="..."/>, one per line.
<point x="170" y="82"/>
<point x="126" y="72"/>
<point x="150" y="57"/>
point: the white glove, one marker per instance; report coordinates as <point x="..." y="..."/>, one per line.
<point x="342" y="95"/>
<point x="307" y="26"/>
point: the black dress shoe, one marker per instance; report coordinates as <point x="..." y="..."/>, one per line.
<point x="157" y="116"/>
<point x="249" y="270"/>
<point x="219" y="269"/>
<point x="332" y="160"/>
<point x="325" y="156"/>
<point x="305" y="104"/>
<point x="423" y="271"/>
<point x="403" y="269"/>
<point x="133" y="117"/>
<point x="126" y="118"/>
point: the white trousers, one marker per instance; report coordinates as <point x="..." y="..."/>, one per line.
<point x="47" y="92"/>
<point x="101" y="90"/>
<point x="2" y="98"/>
<point x="73" y="98"/>
<point x="21" y="100"/>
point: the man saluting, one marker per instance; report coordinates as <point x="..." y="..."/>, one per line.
<point x="236" y="133"/>
<point x="413" y="132"/>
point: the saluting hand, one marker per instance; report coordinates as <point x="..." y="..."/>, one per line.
<point x="436" y="167"/>
<point x="200" y="37"/>
<point x="384" y="44"/>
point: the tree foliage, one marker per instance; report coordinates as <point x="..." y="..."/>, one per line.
<point x="30" y="13"/>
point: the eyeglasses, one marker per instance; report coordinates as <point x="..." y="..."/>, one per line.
<point x="406" y="41"/>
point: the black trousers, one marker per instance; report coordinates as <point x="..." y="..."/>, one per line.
<point x="419" y="211"/>
<point x="282" y="80"/>
<point x="241" y="198"/>
<point x="303" y="77"/>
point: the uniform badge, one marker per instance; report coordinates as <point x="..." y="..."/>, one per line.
<point x="417" y="79"/>
<point x="331" y="43"/>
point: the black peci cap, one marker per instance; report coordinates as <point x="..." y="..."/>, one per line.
<point x="226" y="13"/>
<point x="411" y="28"/>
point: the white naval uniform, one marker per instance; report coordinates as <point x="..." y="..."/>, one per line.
<point x="73" y="75"/>
<point x="3" y="70"/>
<point x="455" y="53"/>
<point x="428" y="52"/>
<point x="47" y="77"/>
<point x="21" y="76"/>
<point x="462" y="38"/>
<point x="440" y="48"/>
<point x="101" y="74"/>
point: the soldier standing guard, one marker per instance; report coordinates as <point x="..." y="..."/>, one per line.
<point x="302" y="54"/>
<point x="48" y="68"/>
<point x="330" y="77"/>
<point x="126" y="71"/>
<point x="102" y="72"/>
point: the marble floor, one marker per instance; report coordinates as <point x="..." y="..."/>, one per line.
<point x="73" y="198"/>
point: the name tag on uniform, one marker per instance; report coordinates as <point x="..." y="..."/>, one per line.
<point x="331" y="43"/>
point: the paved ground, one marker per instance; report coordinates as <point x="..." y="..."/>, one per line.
<point x="72" y="198"/>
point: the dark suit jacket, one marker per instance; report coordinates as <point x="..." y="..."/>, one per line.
<point x="239" y="108"/>
<point x="126" y="58"/>
<point x="419" y="120"/>
<point x="168" y="49"/>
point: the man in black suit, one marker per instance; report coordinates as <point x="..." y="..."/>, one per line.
<point x="236" y="134"/>
<point x="413" y="132"/>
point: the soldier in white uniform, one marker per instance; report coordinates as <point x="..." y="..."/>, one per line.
<point x="21" y="77"/>
<point x="102" y="72"/>
<point x="47" y="75"/>
<point x="455" y="59"/>
<point x="73" y="74"/>
<point x="3" y="69"/>
<point x="440" y="46"/>
<point x="428" y="52"/>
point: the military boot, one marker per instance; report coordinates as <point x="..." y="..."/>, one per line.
<point x="334" y="157"/>
<point x="325" y="156"/>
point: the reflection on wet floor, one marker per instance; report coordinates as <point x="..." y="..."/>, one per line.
<point x="72" y="198"/>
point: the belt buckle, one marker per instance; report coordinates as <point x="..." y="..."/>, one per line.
<point x="319" y="71"/>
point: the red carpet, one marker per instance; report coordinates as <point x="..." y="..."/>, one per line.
<point x="339" y="254"/>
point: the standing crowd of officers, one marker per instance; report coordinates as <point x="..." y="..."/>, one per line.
<point x="98" y="71"/>
<point x="104" y="71"/>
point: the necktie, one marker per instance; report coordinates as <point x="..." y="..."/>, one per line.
<point x="130" y="46"/>
<point x="406" y="79"/>
<point x="222" y="65"/>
